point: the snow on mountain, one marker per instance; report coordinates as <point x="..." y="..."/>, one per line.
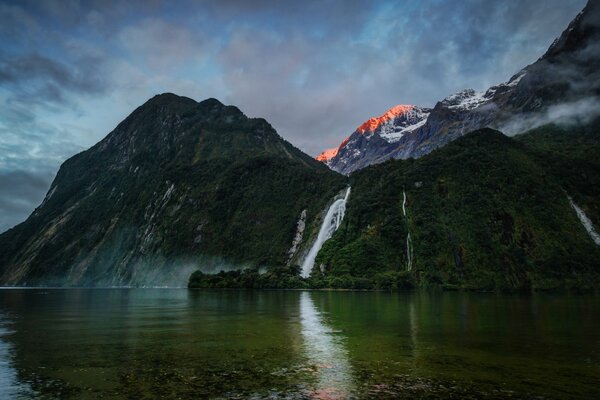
<point x="395" y="122"/>
<point x="407" y="121"/>
<point x="406" y="131"/>
<point x="566" y="74"/>
<point x="467" y="99"/>
<point x="375" y="132"/>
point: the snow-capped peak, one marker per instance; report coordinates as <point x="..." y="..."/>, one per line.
<point x="390" y="126"/>
<point x="404" y="123"/>
<point x="395" y="122"/>
<point x="373" y="123"/>
<point x="467" y="99"/>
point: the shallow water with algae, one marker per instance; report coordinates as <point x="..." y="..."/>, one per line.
<point x="179" y="343"/>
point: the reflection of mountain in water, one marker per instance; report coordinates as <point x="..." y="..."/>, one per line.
<point x="326" y="353"/>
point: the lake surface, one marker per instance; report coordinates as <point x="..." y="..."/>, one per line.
<point x="179" y="343"/>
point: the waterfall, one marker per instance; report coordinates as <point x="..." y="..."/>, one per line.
<point x="332" y="221"/>
<point x="408" y="241"/>
<point x="586" y="222"/>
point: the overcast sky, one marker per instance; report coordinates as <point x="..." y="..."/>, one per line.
<point x="71" y="70"/>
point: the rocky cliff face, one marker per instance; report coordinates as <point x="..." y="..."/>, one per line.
<point x="564" y="84"/>
<point x="177" y="186"/>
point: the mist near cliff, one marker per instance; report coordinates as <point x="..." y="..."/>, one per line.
<point x="578" y="112"/>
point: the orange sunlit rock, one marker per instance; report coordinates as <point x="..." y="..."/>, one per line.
<point x="330" y="153"/>
<point x="373" y="123"/>
<point x="368" y="126"/>
<point x="327" y="154"/>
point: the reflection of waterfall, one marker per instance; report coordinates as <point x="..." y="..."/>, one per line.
<point x="414" y="332"/>
<point x="325" y="352"/>
<point x="408" y="241"/>
<point x="408" y="252"/>
<point x="330" y="224"/>
<point x="587" y="223"/>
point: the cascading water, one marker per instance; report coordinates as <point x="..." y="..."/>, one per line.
<point x="408" y="241"/>
<point x="332" y="221"/>
<point x="586" y="222"/>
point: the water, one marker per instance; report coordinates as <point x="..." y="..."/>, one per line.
<point x="586" y="222"/>
<point x="331" y="222"/>
<point x="408" y="240"/>
<point x="178" y="343"/>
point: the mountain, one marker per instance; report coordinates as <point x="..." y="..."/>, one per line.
<point x="563" y="85"/>
<point x="374" y="137"/>
<point x="177" y="186"/>
<point x="483" y="212"/>
<point x="182" y="186"/>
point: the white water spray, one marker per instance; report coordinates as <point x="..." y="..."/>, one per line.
<point x="586" y="222"/>
<point x="333" y="220"/>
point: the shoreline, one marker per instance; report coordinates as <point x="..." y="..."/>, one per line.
<point x="403" y="290"/>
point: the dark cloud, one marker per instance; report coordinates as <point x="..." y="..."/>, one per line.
<point x="317" y="89"/>
<point x="20" y="193"/>
<point x="39" y="79"/>
<point x="70" y="70"/>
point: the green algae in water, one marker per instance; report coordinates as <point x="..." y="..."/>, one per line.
<point x="178" y="343"/>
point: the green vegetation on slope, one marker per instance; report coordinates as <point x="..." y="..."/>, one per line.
<point x="181" y="185"/>
<point x="572" y="156"/>
<point x="485" y="212"/>
<point x="482" y="213"/>
<point x="176" y="184"/>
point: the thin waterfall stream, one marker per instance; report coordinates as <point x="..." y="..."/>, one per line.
<point x="586" y="222"/>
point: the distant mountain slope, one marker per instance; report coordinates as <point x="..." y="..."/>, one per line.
<point x="572" y="156"/>
<point x="564" y="84"/>
<point x="482" y="212"/>
<point x="178" y="185"/>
